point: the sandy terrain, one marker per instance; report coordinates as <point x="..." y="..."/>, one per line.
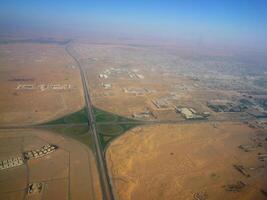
<point x="68" y="173"/>
<point x="179" y="161"/>
<point x="36" y="64"/>
<point x="166" y="73"/>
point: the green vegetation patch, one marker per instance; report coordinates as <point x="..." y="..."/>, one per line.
<point x="109" y="132"/>
<point x="78" y="117"/>
<point x="104" y="116"/>
<point x="110" y="129"/>
<point x="79" y="133"/>
<point x="109" y="126"/>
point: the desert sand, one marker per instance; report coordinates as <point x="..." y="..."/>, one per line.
<point x="68" y="173"/>
<point x="37" y="64"/>
<point x="171" y="161"/>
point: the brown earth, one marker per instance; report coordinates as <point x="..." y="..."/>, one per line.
<point x="154" y="64"/>
<point x="68" y="173"/>
<point x="40" y="64"/>
<point x="178" y="161"/>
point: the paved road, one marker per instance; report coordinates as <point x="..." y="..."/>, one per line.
<point x="104" y="178"/>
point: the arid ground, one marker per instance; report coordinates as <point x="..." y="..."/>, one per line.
<point x="68" y="173"/>
<point x="179" y="161"/>
<point x="37" y="64"/>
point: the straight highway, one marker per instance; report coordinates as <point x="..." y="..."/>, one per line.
<point x="103" y="173"/>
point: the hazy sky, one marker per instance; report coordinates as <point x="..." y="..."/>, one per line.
<point x="229" y="21"/>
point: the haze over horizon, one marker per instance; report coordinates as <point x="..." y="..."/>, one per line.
<point x="240" y="23"/>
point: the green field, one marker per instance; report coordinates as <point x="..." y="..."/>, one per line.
<point x="102" y="116"/>
<point x="78" y="117"/>
<point x="109" y="126"/>
<point x="109" y="132"/>
<point x="79" y="133"/>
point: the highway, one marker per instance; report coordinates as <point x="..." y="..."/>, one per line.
<point x="107" y="193"/>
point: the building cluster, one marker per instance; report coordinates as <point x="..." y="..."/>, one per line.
<point x="190" y="113"/>
<point x="262" y="157"/>
<point x="11" y="162"/>
<point x="248" y="147"/>
<point x="260" y="123"/>
<point x="225" y="106"/>
<point x="162" y="104"/>
<point x="20" y="160"/>
<point x="107" y="86"/>
<point x="37" y="153"/>
<point x="138" y="91"/>
<point x="165" y="103"/>
<point x="258" y="143"/>
<point x="34" y="188"/>
<point x="44" y="87"/>
<point x="134" y="75"/>
<point x="147" y="114"/>
<point x="200" y="195"/>
<point x="254" y="107"/>
<point x="118" y="70"/>
<point x="103" y="76"/>
<point x="235" y="187"/>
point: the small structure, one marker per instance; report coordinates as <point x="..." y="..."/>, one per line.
<point x="161" y="104"/>
<point x="247" y="147"/>
<point x="35" y="188"/>
<point x="44" y="87"/>
<point x="242" y="170"/>
<point x="11" y="162"/>
<point x="206" y="114"/>
<point x="226" y="106"/>
<point x="140" y="76"/>
<point x="103" y="76"/>
<point x="200" y="196"/>
<point x="25" y="87"/>
<point x="37" y="153"/>
<point x="106" y="85"/>
<point x="262" y="157"/>
<point x="59" y="86"/>
<point x="235" y="187"/>
<point x="144" y="115"/>
<point x="189" y="113"/>
<point x="136" y="91"/>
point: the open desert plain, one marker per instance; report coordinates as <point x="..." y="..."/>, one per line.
<point x="196" y="131"/>
<point x="38" y="83"/>
<point x="69" y="172"/>
<point x="83" y="120"/>
<point x="186" y="161"/>
<point x="133" y="100"/>
<point x="46" y="148"/>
